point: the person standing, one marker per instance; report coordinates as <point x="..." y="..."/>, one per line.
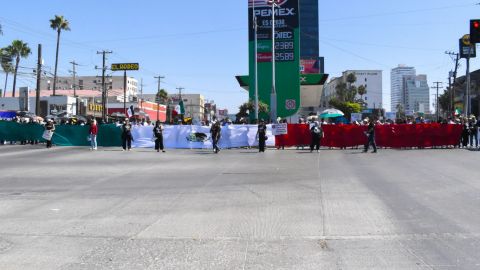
<point x="158" y="133"/>
<point x="216" y="131"/>
<point x="317" y="134"/>
<point x="371" y="138"/>
<point x="93" y="134"/>
<point x="262" y="135"/>
<point x="473" y="133"/>
<point x="127" y="135"/>
<point x="49" y="130"/>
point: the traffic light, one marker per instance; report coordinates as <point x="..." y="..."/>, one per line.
<point x="475" y="31"/>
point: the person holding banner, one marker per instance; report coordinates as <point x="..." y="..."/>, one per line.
<point x="262" y="135"/>
<point x="127" y="135"/>
<point x="158" y="133"/>
<point x="317" y="135"/>
<point x="48" y="133"/>
<point x="216" y="131"/>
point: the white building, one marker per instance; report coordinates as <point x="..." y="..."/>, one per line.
<point x="91" y="83"/>
<point x="397" y="81"/>
<point x="416" y="94"/>
<point x="409" y="90"/>
<point x="371" y="79"/>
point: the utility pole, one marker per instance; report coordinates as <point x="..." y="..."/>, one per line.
<point x="273" y="94"/>
<point x="74" y="73"/>
<point x="39" y="75"/>
<point x="159" y="77"/>
<point x="104" y="89"/>
<point x="141" y="88"/>
<point x="467" y="101"/>
<point x="451" y="83"/>
<point x="255" y="26"/>
<point x="436" y="102"/>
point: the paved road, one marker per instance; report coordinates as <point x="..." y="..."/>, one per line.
<point x="69" y="208"/>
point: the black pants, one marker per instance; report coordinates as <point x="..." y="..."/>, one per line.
<point x="159" y="143"/>
<point x="261" y="142"/>
<point x="49" y="143"/>
<point x="474" y="139"/>
<point x="371" y="141"/>
<point x="215" y="145"/>
<point x="127" y="142"/>
<point x="315" y="143"/>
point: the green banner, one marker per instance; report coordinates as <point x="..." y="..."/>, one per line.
<point x="65" y="135"/>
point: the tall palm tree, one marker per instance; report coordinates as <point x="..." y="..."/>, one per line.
<point x="6" y="64"/>
<point x="162" y="95"/>
<point x="58" y="23"/>
<point x="19" y="50"/>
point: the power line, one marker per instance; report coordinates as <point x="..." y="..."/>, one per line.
<point x="398" y="12"/>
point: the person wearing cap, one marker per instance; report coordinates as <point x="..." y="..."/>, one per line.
<point x="49" y="130"/>
<point x="158" y="133"/>
<point x="262" y="135"/>
<point x="127" y="135"/>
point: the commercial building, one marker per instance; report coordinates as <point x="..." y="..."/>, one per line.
<point x="92" y="83"/>
<point x="88" y="103"/>
<point x="409" y="91"/>
<point x="194" y="105"/>
<point x="370" y="79"/>
<point x="396" y="84"/>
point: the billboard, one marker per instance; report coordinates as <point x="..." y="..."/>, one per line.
<point x="467" y="49"/>
<point x="309" y="66"/>
<point x="287" y="53"/>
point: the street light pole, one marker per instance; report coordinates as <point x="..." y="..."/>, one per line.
<point x="158" y="96"/>
<point x="273" y="94"/>
<point x="255" y="26"/>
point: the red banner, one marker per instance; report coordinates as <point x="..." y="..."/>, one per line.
<point x="395" y="136"/>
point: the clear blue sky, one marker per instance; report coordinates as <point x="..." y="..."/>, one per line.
<point x="202" y="45"/>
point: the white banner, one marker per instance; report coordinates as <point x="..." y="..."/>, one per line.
<point x="198" y="137"/>
<point x="280" y="129"/>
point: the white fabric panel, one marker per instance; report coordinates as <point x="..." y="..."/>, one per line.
<point x="198" y="137"/>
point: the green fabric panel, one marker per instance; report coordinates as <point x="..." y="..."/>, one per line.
<point x="65" y="135"/>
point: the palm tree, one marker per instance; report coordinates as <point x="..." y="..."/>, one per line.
<point x="59" y="23"/>
<point x="162" y="96"/>
<point x="362" y="90"/>
<point x="19" y="50"/>
<point x="6" y="64"/>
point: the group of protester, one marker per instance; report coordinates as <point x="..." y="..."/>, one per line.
<point x="469" y="136"/>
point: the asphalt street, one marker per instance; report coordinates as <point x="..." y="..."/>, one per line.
<point x="71" y="208"/>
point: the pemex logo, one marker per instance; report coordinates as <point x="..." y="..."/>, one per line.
<point x="265" y="3"/>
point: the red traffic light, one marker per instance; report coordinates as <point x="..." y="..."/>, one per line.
<point x="475" y="31"/>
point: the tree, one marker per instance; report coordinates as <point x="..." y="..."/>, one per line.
<point x="6" y="62"/>
<point x="58" y="23"/>
<point x="346" y="107"/>
<point x="162" y="96"/>
<point x="19" y="50"/>
<point x="362" y="90"/>
<point x="351" y="78"/>
<point x="250" y="106"/>
<point x="400" y="111"/>
<point x="341" y="90"/>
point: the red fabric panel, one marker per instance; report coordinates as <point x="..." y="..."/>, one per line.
<point x="395" y="136"/>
